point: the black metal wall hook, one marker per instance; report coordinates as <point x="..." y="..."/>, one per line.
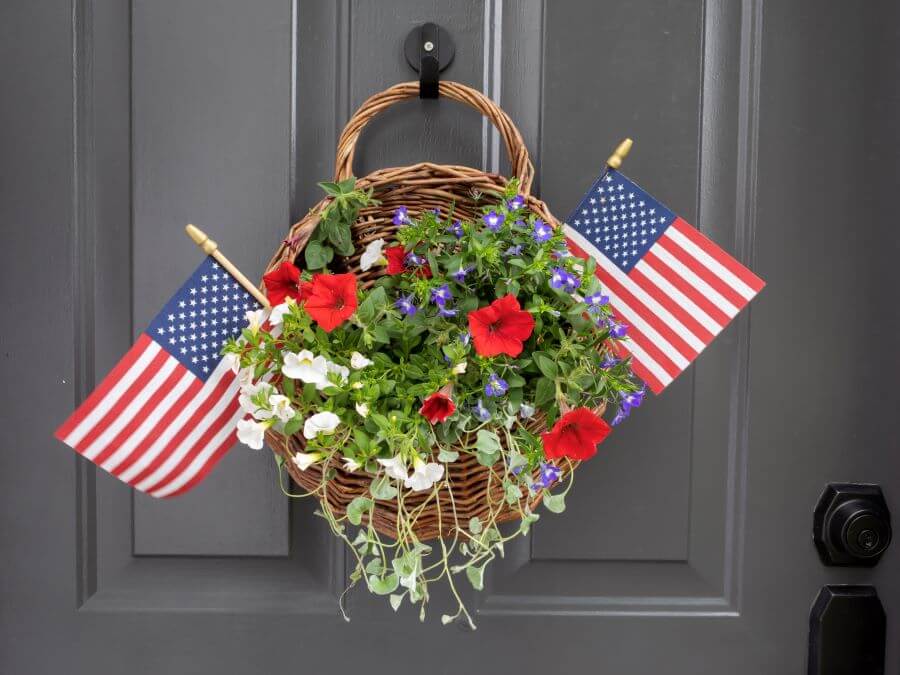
<point x="429" y="49"/>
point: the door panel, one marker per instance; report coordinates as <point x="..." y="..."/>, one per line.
<point x="685" y="547"/>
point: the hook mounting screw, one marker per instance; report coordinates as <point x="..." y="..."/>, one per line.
<point x="429" y="49"/>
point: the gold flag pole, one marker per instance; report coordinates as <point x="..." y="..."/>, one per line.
<point x="209" y="247"/>
<point x="621" y="152"/>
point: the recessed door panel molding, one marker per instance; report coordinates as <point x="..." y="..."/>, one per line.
<point x="190" y="132"/>
<point x="662" y="503"/>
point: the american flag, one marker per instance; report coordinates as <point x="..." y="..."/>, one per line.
<point x="166" y="414"/>
<point x="673" y="287"/>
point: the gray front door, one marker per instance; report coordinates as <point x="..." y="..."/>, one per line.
<point x="686" y="546"/>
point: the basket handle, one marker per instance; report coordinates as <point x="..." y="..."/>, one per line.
<point x="520" y="162"/>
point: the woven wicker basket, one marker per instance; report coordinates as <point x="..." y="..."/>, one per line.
<point x="476" y="490"/>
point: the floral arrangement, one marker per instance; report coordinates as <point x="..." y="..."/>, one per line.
<point x="477" y="333"/>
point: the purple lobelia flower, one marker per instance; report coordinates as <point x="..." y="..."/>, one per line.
<point x="456" y="229"/>
<point x="549" y="475"/>
<point x="465" y="338"/>
<point x="515" y="203"/>
<point x="494" y="221"/>
<point x="459" y="275"/>
<point x="596" y="299"/>
<point x="406" y="305"/>
<point x="562" y="280"/>
<point x="441" y="295"/>
<point x="401" y="216"/>
<point x="608" y="362"/>
<point x="541" y="232"/>
<point x="413" y="260"/>
<point x="633" y="400"/>
<point x="496" y="386"/>
<point x="620" y="417"/>
<point x="447" y="313"/>
<point x="513" y="250"/>
<point x="481" y="412"/>
<point x="617" y="330"/>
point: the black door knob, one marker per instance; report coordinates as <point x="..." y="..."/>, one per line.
<point x="851" y="524"/>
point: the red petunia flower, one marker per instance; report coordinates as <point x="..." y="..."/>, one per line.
<point x="395" y="256"/>
<point x="437" y="407"/>
<point x="283" y="282"/>
<point x="501" y="327"/>
<point x="575" y="435"/>
<point x="332" y="299"/>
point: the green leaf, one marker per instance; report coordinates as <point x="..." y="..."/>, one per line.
<point x="555" y="503"/>
<point x="288" y="386"/>
<point x="487" y="441"/>
<point x="317" y="255"/>
<point x="515" y="381"/>
<point x="475" y="525"/>
<point x="395" y="601"/>
<point x="292" y="426"/>
<point x="546" y="364"/>
<point x="362" y="438"/>
<point x="341" y="237"/>
<point x="527" y="521"/>
<point x="447" y="455"/>
<point x="476" y="577"/>
<point x="366" y="310"/>
<point x="383" y="488"/>
<point x="331" y="189"/>
<point x="347" y="185"/>
<point x="357" y="508"/>
<point x="384" y="586"/>
<point x="487" y="446"/>
<point x="544" y="391"/>
<point x="374" y="302"/>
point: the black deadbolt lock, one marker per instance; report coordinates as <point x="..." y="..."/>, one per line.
<point x="851" y="525"/>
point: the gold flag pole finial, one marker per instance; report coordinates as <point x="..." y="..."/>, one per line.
<point x="621" y="152"/>
<point x="209" y="247"/>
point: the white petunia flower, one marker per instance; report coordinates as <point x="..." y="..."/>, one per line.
<point x="343" y="373"/>
<point x="362" y="409"/>
<point x="351" y="464"/>
<point x="252" y="433"/>
<point x="255" y="319"/>
<point x="281" y="407"/>
<point x="395" y="467"/>
<point x="423" y="475"/>
<point x="358" y="361"/>
<point x="459" y="368"/>
<point x="320" y="423"/>
<point x="305" y="366"/>
<point x="278" y="312"/>
<point x="304" y="460"/>
<point x="249" y="391"/>
<point x="372" y="255"/>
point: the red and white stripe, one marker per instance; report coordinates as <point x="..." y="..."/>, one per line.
<point x="154" y="424"/>
<point x="675" y="300"/>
